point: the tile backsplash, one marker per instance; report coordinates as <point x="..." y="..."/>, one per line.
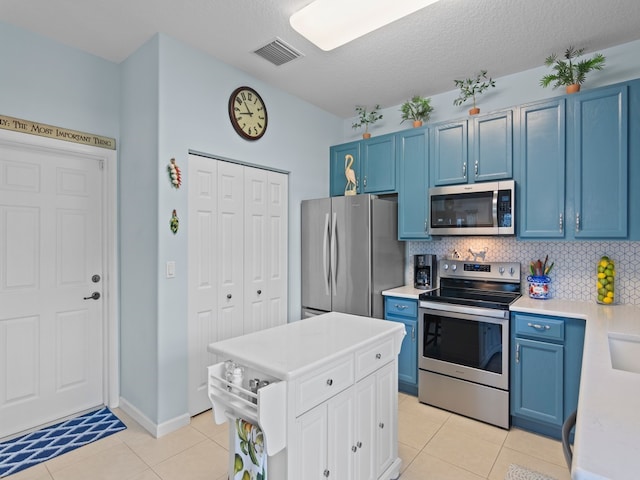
<point x="574" y="274"/>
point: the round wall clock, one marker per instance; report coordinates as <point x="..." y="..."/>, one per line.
<point x="248" y="113"/>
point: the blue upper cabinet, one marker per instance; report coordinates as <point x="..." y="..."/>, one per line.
<point x="599" y="152"/>
<point x="413" y="183"/>
<point x="540" y="172"/>
<point x="491" y="158"/>
<point x="379" y="164"/>
<point x="339" y="161"/>
<point x="449" y="153"/>
<point x="374" y="165"/>
<point x="492" y="147"/>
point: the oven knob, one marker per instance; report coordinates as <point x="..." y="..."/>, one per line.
<point x="454" y="267"/>
<point x="512" y="271"/>
<point x="501" y="270"/>
<point x="446" y="266"/>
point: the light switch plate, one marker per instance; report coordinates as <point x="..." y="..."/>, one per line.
<point x="171" y="269"/>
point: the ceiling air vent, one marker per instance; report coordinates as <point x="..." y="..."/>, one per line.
<point x="278" y="52"/>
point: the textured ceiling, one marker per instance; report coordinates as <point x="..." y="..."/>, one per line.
<point x="421" y="53"/>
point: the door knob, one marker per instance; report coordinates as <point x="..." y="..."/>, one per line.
<point x="229" y="295"/>
<point x="94" y="296"/>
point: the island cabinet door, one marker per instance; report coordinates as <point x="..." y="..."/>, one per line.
<point x="386" y="416"/>
<point x="310" y="451"/>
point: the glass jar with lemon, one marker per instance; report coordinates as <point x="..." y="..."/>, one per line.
<point x="606" y="281"/>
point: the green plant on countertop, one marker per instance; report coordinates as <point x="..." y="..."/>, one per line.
<point x="471" y="87"/>
<point x="568" y="71"/>
<point x="366" y="118"/>
<point x="417" y="109"/>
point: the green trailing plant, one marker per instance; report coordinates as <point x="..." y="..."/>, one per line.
<point x="568" y="71"/>
<point x="366" y="118"/>
<point x="416" y="109"/>
<point x="472" y="87"/>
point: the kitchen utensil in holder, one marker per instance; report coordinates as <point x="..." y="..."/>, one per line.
<point x="539" y="286"/>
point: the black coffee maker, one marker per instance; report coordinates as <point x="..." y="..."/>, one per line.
<point x="424" y="271"/>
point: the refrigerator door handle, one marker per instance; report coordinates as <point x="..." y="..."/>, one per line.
<point x="334" y="260"/>
<point x="325" y="260"/>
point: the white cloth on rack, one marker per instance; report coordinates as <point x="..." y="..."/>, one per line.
<point x="250" y="461"/>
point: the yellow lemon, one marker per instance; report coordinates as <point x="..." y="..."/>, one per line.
<point x="599" y="285"/>
<point x="607" y="300"/>
<point x="604" y="263"/>
<point x="610" y="294"/>
<point x="602" y="275"/>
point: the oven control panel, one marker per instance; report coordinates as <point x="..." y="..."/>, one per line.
<point x="497" y="271"/>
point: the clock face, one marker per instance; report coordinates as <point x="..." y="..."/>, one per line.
<point x="247" y="113"/>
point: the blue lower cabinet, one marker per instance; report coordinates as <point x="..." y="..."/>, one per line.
<point x="405" y="311"/>
<point x="546" y="359"/>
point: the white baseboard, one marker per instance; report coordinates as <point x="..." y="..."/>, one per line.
<point x="157" y="430"/>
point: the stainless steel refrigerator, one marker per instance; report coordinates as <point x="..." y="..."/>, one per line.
<point x="350" y="254"/>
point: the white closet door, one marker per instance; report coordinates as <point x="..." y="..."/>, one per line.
<point x="203" y="276"/>
<point x="230" y="249"/>
<point x="255" y="250"/>
<point x="277" y="245"/>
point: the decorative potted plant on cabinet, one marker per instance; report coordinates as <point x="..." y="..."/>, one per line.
<point x="470" y="87"/>
<point x="366" y="118"/>
<point x="568" y="72"/>
<point x="417" y="109"/>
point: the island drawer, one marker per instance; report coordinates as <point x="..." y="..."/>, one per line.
<point x="327" y="382"/>
<point x="537" y="326"/>
<point x="372" y="358"/>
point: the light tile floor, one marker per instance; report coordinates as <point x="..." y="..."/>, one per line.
<point x="434" y="445"/>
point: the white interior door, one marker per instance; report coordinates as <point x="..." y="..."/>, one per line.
<point x="203" y="281"/>
<point x="278" y="249"/>
<point x="255" y="256"/>
<point x="51" y="246"/>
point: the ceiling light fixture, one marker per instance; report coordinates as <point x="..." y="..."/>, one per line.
<point x="332" y="23"/>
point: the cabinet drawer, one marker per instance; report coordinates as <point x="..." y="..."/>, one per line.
<point x="320" y="386"/>
<point x="540" y="327"/>
<point x="401" y="306"/>
<point x="372" y="358"/>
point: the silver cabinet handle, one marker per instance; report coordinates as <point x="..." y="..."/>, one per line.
<point x="326" y="473"/>
<point x="476" y="168"/>
<point x="517" y="353"/>
<point x="464" y="169"/>
<point x="259" y="292"/>
<point x="354" y="449"/>
<point x="229" y="295"/>
<point x="381" y="425"/>
<point x="401" y="307"/>
<point x="330" y="381"/>
<point x="413" y="333"/>
<point x="577" y="222"/>
<point x="561" y="222"/>
<point x="378" y="356"/>
<point x="537" y="326"/>
<point x="359" y="444"/>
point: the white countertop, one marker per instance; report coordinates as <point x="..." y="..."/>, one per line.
<point x="290" y="350"/>
<point x="607" y="435"/>
<point x="406" y="291"/>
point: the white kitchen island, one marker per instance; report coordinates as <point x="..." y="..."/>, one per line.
<point x="330" y="409"/>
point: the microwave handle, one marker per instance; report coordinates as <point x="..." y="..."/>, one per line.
<point x="494" y="207"/>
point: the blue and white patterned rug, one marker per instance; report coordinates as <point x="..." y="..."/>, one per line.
<point x="42" y="445"/>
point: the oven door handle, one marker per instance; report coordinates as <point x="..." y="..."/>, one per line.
<point x="464" y="309"/>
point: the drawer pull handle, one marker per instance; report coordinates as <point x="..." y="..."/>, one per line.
<point x="330" y="381"/>
<point x="354" y="449"/>
<point x="359" y="444"/>
<point x="537" y="326"/>
<point x="326" y="473"/>
<point x="401" y="307"/>
<point x="381" y="425"/>
<point x="378" y="356"/>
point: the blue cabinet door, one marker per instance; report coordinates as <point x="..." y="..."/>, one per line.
<point x="449" y="153"/>
<point x="338" y="164"/>
<point x="492" y="147"/>
<point x="541" y="170"/>
<point x="538" y="386"/>
<point x="379" y="164"/>
<point x="600" y="156"/>
<point x="413" y="185"/>
<point x="405" y="311"/>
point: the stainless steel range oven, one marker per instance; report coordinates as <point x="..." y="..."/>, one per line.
<point x="463" y="339"/>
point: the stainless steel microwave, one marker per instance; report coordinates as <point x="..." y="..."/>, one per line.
<point x="473" y="209"/>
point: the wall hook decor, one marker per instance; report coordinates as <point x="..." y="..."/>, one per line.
<point x="174" y="173"/>
<point x="174" y="223"/>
